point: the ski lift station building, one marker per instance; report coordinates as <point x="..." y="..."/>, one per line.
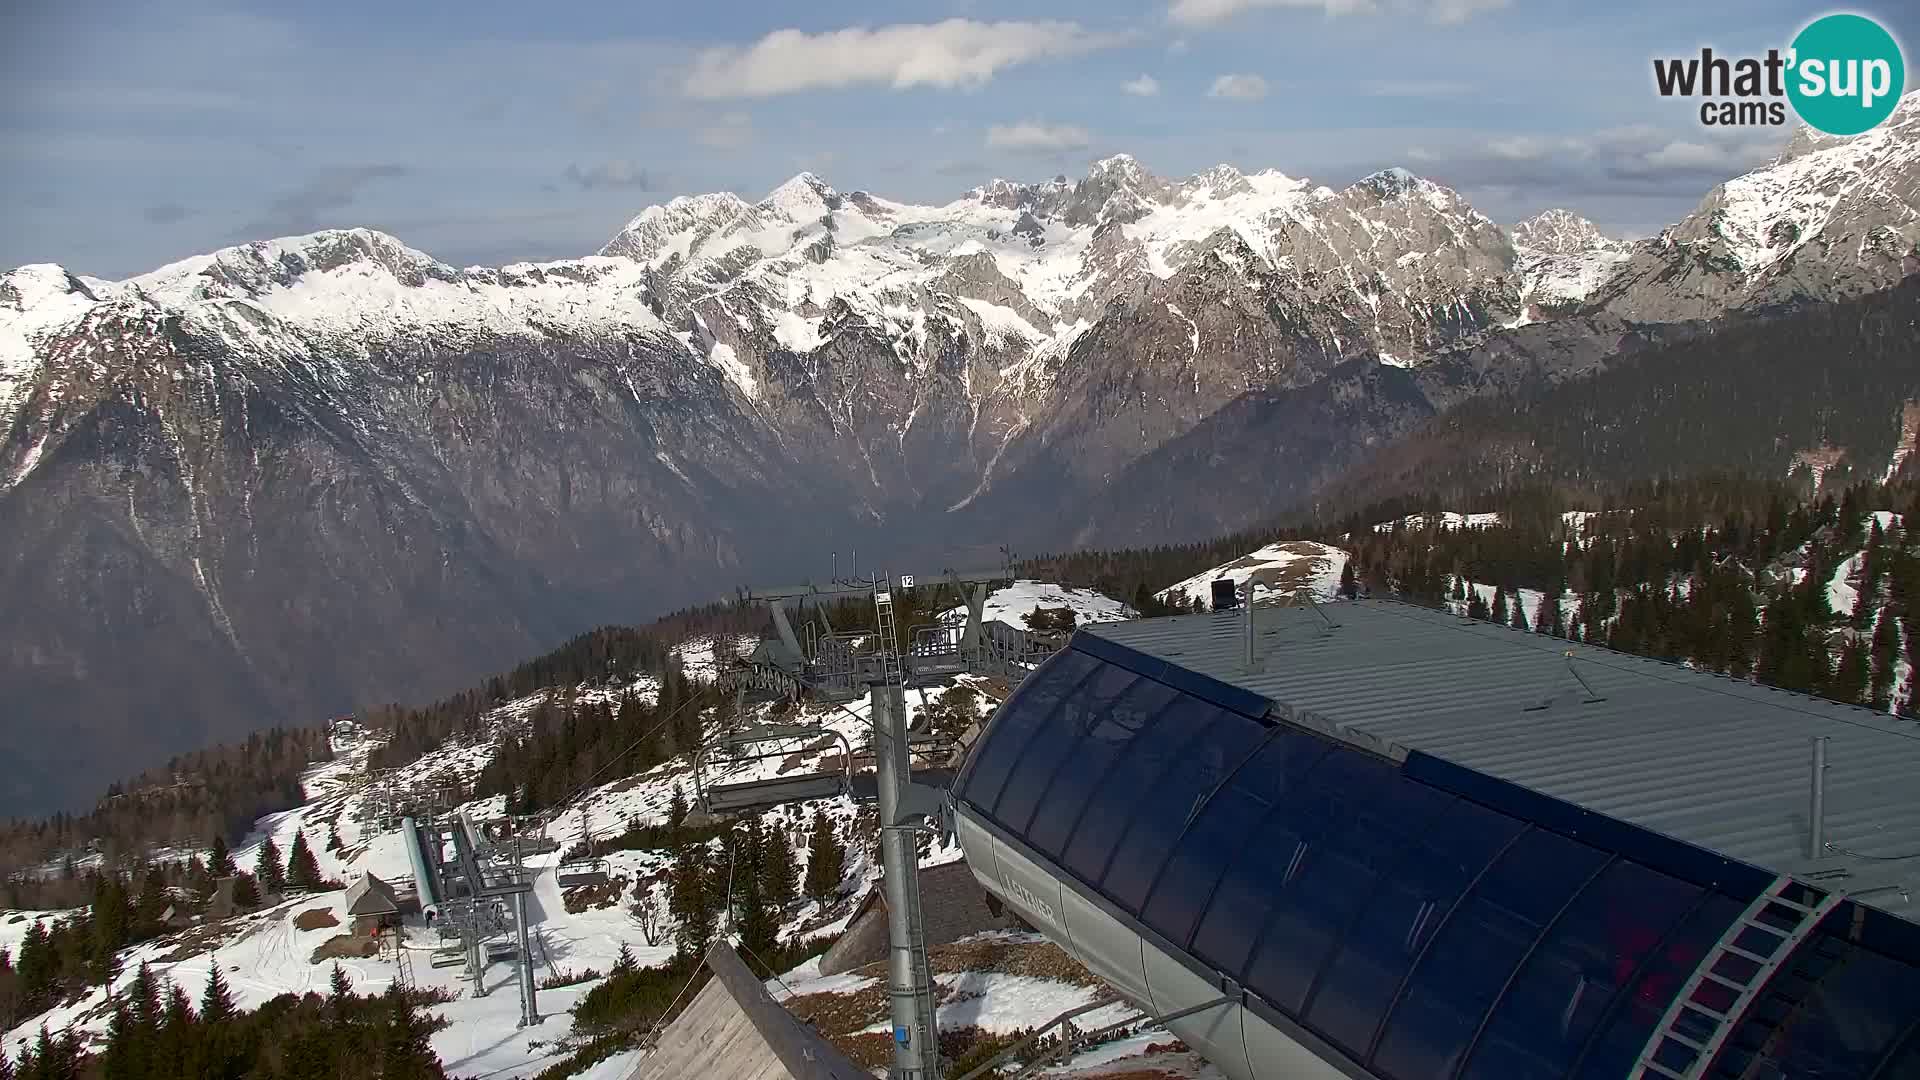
<point x="1388" y="842"/>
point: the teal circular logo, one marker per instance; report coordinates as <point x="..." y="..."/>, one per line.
<point x="1846" y="74"/>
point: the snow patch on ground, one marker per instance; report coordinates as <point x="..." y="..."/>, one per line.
<point x="1013" y="603"/>
<point x="1279" y="571"/>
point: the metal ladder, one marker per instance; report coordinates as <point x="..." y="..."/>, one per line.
<point x="1692" y="1031"/>
<point x="889" y="646"/>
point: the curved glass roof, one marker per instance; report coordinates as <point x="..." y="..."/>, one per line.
<point x="1422" y="932"/>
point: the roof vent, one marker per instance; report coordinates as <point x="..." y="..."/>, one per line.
<point x="1225" y="596"/>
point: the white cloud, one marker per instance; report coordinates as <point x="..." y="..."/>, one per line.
<point x="955" y="53"/>
<point x="1444" y="12"/>
<point x="728" y="131"/>
<point x="1035" y="137"/>
<point x="1239" y="88"/>
<point x="1144" y="86"/>
<point x="612" y="174"/>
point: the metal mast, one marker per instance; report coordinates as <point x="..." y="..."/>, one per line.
<point x="830" y="667"/>
<point x="916" y="1039"/>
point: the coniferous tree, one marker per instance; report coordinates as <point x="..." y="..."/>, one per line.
<point x="1886" y="641"/>
<point x="267" y="870"/>
<point x="1850" y="678"/>
<point x="333" y="838"/>
<point x="780" y="875"/>
<point x="6" y="1066"/>
<point x="220" y="862"/>
<point x="826" y="860"/>
<point x="691" y="900"/>
<point x="246" y="895"/>
<point x="1349" y="586"/>
<point x="340" y="987"/>
<point x="216" y="1001"/>
<point x="1519" y="611"/>
<point x="303" y="870"/>
<point x="407" y="1053"/>
<point x="1499" y="613"/>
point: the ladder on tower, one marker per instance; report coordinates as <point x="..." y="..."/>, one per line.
<point x="885" y="629"/>
<point x="1734" y="972"/>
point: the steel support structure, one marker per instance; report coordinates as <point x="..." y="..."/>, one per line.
<point x="916" y="1042"/>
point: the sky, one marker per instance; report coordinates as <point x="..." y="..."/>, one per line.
<point x="136" y="134"/>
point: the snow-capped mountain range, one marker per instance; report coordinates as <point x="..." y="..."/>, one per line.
<point x="335" y="446"/>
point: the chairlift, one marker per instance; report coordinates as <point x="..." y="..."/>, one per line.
<point x="589" y="870"/>
<point x="725" y="799"/>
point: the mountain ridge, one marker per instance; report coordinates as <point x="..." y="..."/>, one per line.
<point x="283" y="478"/>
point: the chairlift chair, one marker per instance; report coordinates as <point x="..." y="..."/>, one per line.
<point x="589" y="870"/>
<point x="726" y="799"/>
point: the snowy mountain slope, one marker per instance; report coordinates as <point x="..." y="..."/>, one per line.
<point x="264" y="954"/>
<point x="1829" y="218"/>
<point x="516" y="453"/>
<point x="1281" y="573"/>
<point x="1562" y="259"/>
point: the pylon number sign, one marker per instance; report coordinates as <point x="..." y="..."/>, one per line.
<point x="906" y="581"/>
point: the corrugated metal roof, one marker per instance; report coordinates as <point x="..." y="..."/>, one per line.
<point x="1715" y="762"/>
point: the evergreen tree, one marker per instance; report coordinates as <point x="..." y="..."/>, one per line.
<point x="303" y="870"/>
<point x="177" y="1046"/>
<point x="1519" y="611"/>
<point x="780" y="877"/>
<point x="1553" y="619"/>
<point x="267" y="871"/>
<point x="6" y="1066"/>
<point x="1349" y="586"/>
<point x="826" y="860"/>
<point x="216" y="1001"/>
<point x="691" y="900"/>
<point x="1850" y="678"/>
<point x="407" y="1053"/>
<point x="759" y="930"/>
<point x="333" y="838"/>
<point x="1499" y="613"/>
<point x="1886" y="642"/>
<point x="1743" y="626"/>
<point x="339" y="987"/>
<point x="220" y="862"/>
<point x="246" y="895"/>
<point x="623" y="964"/>
<point x="676" y="811"/>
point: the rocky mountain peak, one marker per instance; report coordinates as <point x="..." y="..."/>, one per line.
<point x="1393" y="183"/>
<point x="251" y="269"/>
<point x="805" y="197"/>
<point x="1563" y="232"/>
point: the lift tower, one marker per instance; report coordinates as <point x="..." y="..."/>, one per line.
<point x="831" y="667"/>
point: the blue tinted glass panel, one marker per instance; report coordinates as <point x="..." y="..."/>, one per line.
<point x="1228" y="831"/>
<point x="1563" y="991"/>
<point x="1637" y="1011"/>
<point x="1862" y="1004"/>
<point x="1057" y="739"/>
<point x="1368" y="803"/>
<point x="1180" y="727"/>
<point x="1112" y="731"/>
<point x="1163" y="805"/>
<point x="1021" y="715"/>
<point x="1414" y="896"/>
<point x="1476" y="952"/>
<point x="1267" y="870"/>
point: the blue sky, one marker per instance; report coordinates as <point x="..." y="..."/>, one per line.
<point x="135" y="134"/>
